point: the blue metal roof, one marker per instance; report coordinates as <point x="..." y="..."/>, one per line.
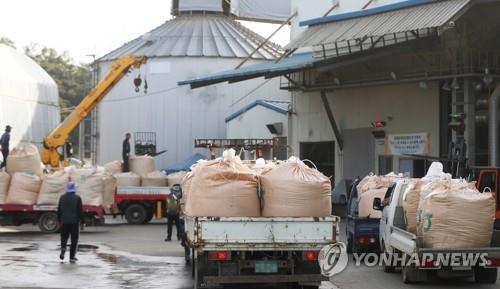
<point x="278" y="106"/>
<point x="292" y="63"/>
<point x="365" y="12"/>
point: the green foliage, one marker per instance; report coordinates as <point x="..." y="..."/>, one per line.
<point x="7" y="41"/>
<point x="73" y="81"/>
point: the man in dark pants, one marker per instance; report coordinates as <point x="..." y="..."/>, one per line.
<point x="4" y="144"/>
<point x="173" y="210"/>
<point x="70" y="215"/>
<point x="126" y="152"/>
<point x="184" y="240"/>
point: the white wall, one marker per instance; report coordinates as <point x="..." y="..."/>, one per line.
<point x="252" y="124"/>
<point x="307" y="10"/>
<point x="412" y="110"/>
<point x="178" y="115"/>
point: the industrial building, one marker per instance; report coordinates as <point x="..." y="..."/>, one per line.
<point x="29" y="98"/>
<point x="380" y="86"/>
<point x="201" y="39"/>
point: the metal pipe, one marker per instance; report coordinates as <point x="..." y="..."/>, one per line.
<point x="493" y="127"/>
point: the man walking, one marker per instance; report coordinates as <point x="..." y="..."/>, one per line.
<point x="4" y="144"/>
<point x="126" y="152"/>
<point x="173" y="210"/>
<point x="70" y="215"/>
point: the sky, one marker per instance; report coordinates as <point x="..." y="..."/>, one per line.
<point x="92" y="27"/>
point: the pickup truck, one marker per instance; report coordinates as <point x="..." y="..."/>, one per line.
<point x="362" y="232"/>
<point x="244" y="250"/>
<point x="395" y="239"/>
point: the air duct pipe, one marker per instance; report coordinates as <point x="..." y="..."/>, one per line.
<point x="493" y="126"/>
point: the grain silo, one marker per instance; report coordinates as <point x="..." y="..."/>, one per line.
<point x="29" y="100"/>
<point x="193" y="44"/>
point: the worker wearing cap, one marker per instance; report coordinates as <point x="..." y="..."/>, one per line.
<point x="70" y="216"/>
<point x="4" y="144"/>
<point x="126" y="152"/>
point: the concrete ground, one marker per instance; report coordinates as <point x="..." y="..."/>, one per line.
<point x="119" y="255"/>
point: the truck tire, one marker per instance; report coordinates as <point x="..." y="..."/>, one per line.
<point x="198" y="271"/>
<point x="349" y="245"/>
<point x="136" y="214"/>
<point x="485" y="275"/>
<point x="48" y="223"/>
<point x="407" y="273"/>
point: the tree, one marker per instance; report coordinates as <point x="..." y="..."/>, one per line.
<point x="8" y="42"/>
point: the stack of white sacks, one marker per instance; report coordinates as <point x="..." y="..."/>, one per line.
<point x="372" y="187"/>
<point x="446" y="212"/>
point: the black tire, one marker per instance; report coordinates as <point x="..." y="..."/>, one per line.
<point x="485" y="275"/>
<point x="198" y="271"/>
<point x="136" y="214"/>
<point x="389" y="269"/>
<point x="407" y="275"/>
<point x="48" y="223"/>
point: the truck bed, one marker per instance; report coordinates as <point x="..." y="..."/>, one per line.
<point x="261" y="233"/>
<point x="407" y="242"/>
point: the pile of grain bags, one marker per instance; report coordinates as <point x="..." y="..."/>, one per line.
<point x="142" y="165"/>
<point x="457" y="215"/>
<point x="23" y="189"/>
<point x="53" y="186"/>
<point x="223" y="188"/>
<point x="4" y="186"/>
<point x="176" y="178"/>
<point x="113" y="167"/>
<point x="293" y="189"/>
<point x="372" y="187"/>
<point x="109" y="187"/>
<point x="154" y="179"/>
<point x="89" y="185"/>
<point x="128" y="180"/>
<point x="419" y="188"/>
<point x="25" y="158"/>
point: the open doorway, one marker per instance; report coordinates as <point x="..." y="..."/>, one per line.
<point x="322" y="154"/>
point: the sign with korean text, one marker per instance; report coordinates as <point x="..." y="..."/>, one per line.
<point x="407" y="144"/>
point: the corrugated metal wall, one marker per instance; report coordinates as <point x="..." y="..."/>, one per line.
<point x="177" y="115"/>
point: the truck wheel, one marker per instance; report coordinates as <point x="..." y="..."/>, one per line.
<point x="136" y="214"/>
<point x="198" y="272"/>
<point x="48" y="223"/>
<point x="389" y="269"/>
<point x="485" y="275"/>
<point x="407" y="274"/>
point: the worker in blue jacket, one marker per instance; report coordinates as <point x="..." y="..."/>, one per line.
<point x="70" y="216"/>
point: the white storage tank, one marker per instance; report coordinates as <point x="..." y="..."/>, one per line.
<point x="29" y="100"/>
<point x="189" y="46"/>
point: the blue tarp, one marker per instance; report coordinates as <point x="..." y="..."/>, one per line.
<point x="184" y="165"/>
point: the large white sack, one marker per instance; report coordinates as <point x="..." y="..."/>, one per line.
<point x="223" y="188"/>
<point x="113" y="167"/>
<point x="23" y="189"/>
<point x="142" y="165"/>
<point x="4" y="186"/>
<point x="91" y="189"/>
<point x="24" y="158"/>
<point x="293" y="189"/>
<point x="365" y="203"/>
<point x="458" y="216"/>
<point x="176" y="178"/>
<point x="411" y="199"/>
<point x="154" y="179"/>
<point x="109" y="183"/>
<point x="128" y="180"/>
<point x="53" y="186"/>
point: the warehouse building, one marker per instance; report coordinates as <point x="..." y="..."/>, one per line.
<point x="201" y="39"/>
<point x="389" y="87"/>
<point x="29" y="99"/>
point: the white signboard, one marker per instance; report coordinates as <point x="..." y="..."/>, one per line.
<point x="200" y="5"/>
<point x="407" y="144"/>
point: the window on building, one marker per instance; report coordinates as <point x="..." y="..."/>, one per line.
<point x="322" y="154"/>
<point x="384" y="165"/>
